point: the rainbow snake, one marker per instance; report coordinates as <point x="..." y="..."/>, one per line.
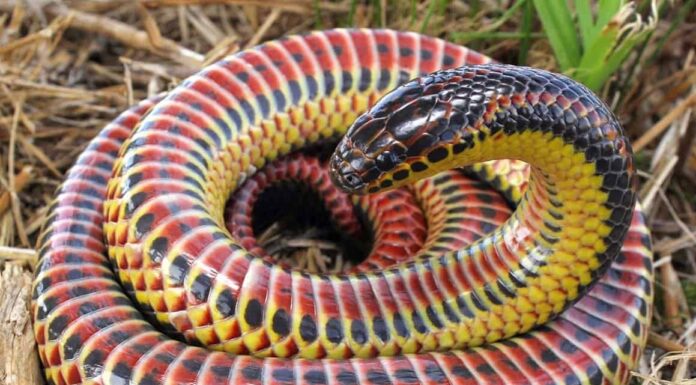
<point x="139" y="269"/>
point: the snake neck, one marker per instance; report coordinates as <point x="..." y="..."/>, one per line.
<point x="570" y="222"/>
<point x="566" y="230"/>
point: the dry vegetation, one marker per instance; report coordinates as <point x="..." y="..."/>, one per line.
<point x="69" y="66"/>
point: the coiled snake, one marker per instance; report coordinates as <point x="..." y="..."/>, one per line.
<point x="560" y="293"/>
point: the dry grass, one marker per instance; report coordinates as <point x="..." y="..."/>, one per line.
<point x="68" y="67"/>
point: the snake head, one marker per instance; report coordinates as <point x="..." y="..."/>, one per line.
<point x="411" y="130"/>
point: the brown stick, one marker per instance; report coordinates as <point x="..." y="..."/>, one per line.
<point x="672" y="289"/>
<point x="664" y="123"/>
<point x="20" y="181"/>
<point x="263" y="29"/>
<point x="686" y="144"/>
<point x="40" y="155"/>
<point x="151" y="28"/>
<point x="295" y="6"/>
<point x="120" y="31"/>
<point x="63" y="92"/>
<point x="11" y="46"/>
<point x="18" y="254"/>
<point x="664" y="343"/>
<point x="129" y="36"/>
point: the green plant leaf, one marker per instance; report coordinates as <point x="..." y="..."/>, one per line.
<point x="350" y="22"/>
<point x="377" y="14"/>
<point x="435" y="5"/>
<point x="462" y="37"/>
<point x="318" y="24"/>
<point x="597" y="57"/>
<point x="611" y="46"/>
<point x="614" y="61"/>
<point x="585" y="21"/>
<point x="559" y="28"/>
<point x="606" y="11"/>
<point x="526" y="31"/>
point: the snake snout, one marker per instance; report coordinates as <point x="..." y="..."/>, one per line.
<point x="344" y="176"/>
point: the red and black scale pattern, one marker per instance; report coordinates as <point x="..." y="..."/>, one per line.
<point x="503" y="98"/>
<point x="89" y="330"/>
<point x="435" y="117"/>
<point x="394" y="236"/>
<point x="397" y="217"/>
<point x="231" y="99"/>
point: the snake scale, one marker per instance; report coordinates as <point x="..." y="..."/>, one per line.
<point x="138" y="270"/>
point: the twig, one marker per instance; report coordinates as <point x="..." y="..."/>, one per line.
<point x="662" y="125"/>
<point x="252" y="14"/>
<point x="151" y="28"/>
<point x="208" y="30"/>
<point x="685" y="146"/>
<point x="656" y="182"/>
<point x="664" y="343"/>
<point x="20" y="181"/>
<point x="672" y="292"/>
<point x="669" y="246"/>
<point x="39" y="154"/>
<point x="675" y="216"/>
<point x="171" y="73"/>
<point x="11" y="46"/>
<point x="120" y="31"/>
<point x="128" y="80"/>
<point x="226" y="46"/>
<point x="58" y="91"/>
<point x="264" y="28"/>
<point x="17" y="254"/>
<point x="295" y="6"/>
<point x="12" y="190"/>
<point x="310" y="243"/>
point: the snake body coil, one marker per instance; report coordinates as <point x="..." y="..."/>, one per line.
<point x="508" y="308"/>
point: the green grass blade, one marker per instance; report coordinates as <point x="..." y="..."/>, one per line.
<point x="377" y="14"/>
<point x="559" y="27"/>
<point x="414" y="13"/>
<point x="526" y="31"/>
<point x="601" y="74"/>
<point x="318" y="23"/>
<point x="609" y="50"/>
<point x="350" y="22"/>
<point x="686" y="9"/>
<point x="585" y="21"/>
<point x="463" y="37"/>
<point x="507" y="15"/>
<point x="433" y="6"/>
<point x="490" y="31"/>
<point x="606" y="11"/>
<point x="428" y="15"/>
<point x="596" y="57"/>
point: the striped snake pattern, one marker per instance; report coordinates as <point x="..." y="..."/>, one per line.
<point x="138" y="269"/>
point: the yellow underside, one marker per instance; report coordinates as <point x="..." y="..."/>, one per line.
<point x="567" y="269"/>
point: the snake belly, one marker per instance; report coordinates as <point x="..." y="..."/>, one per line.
<point x="193" y="281"/>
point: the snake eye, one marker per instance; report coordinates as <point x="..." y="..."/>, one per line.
<point x="386" y="160"/>
<point x="351" y="180"/>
